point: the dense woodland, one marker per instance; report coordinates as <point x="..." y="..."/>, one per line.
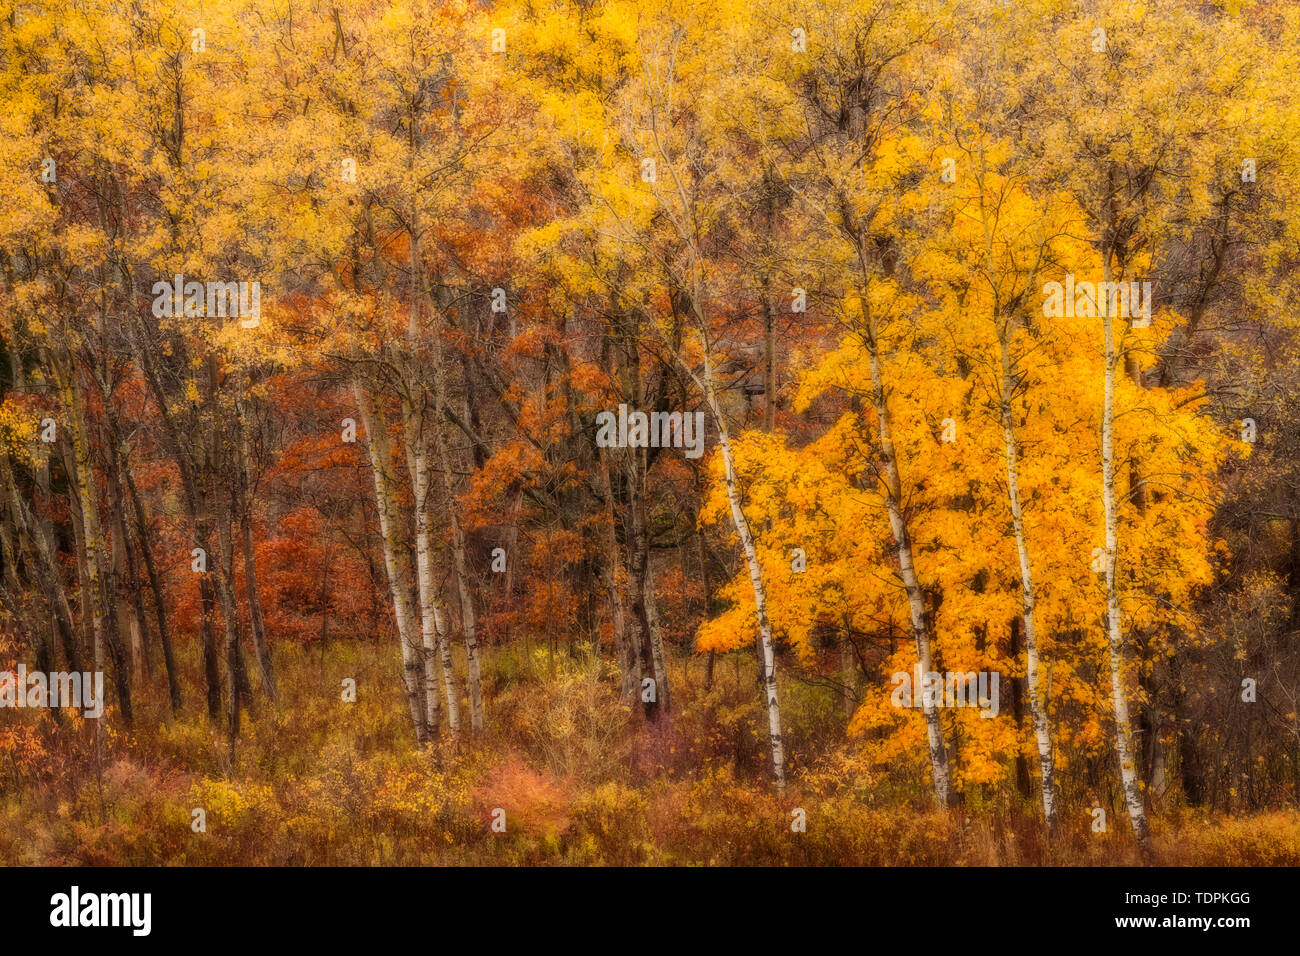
<point x="366" y="588"/>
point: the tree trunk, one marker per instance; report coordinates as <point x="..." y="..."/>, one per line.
<point x="769" y="363"/>
<point x="706" y="595"/>
<point x="629" y="663"/>
<point x="907" y="568"/>
<point x="469" y="618"/>
<point x="649" y="640"/>
<point x="741" y="524"/>
<point x="1114" y="625"/>
<point x="394" y="554"/>
<point x="658" y="654"/>
<point x="94" y="553"/>
<point x="450" y="686"/>
<point x="1028" y="598"/>
<point x="155" y="585"/>
<point x="261" y="644"/>
<point x="176" y="447"/>
<point x="236" y="689"/>
<point x="44" y="565"/>
<point x="130" y="617"/>
<point x="230" y="618"/>
<point x="417" y="461"/>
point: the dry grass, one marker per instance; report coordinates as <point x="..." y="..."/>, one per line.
<point x="580" y="778"/>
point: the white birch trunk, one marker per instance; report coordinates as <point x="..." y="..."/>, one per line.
<point x="468" y="616"/>
<point x="450" y="686"/>
<point x="741" y="524"/>
<point x="1037" y="702"/>
<point x="417" y="457"/>
<point x="394" y="560"/>
<point x="907" y="571"/>
<point x="418" y="463"/>
<point x="1114" y="627"/>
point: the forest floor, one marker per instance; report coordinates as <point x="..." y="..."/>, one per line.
<point x="573" y="776"/>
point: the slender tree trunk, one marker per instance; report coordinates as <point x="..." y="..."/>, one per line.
<point x="903" y="542"/>
<point x="208" y="628"/>
<point x="511" y="545"/>
<point x="849" y="675"/>
<point x="1028" y="597"/>
<point x="155" y="585"/>
<point x="130" y="616"/>
<point x="94" y="553"/>
<point x="261" y="644"/>
<point x="140" y="635"/>
<point x="657" y="652"/>
<point x="625" y="643"/>
<point x="1114" y="624"/>
<point x="769" y="364"/>
<point x="629" y="663"/>
<point x="741" y="524"/>
<point x="650" y="639"/>
<point x="414" y="415"/>
<point x="16" y="596"/>
<point x="44" y="565"/>
<point x="230" y="618"/>
<point x="706" y="581"/>
<point x="450" y="685"/>
<point x="469" y="618"/>
<point x="417" y="459"/>
<point x="177" y="447"/>
<point x="42" y="530"/>
<point x="769" y="307"/>
<point x="225" y="561"/>
<point x="706" y="591"/>
<point x="394" y="554"/>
